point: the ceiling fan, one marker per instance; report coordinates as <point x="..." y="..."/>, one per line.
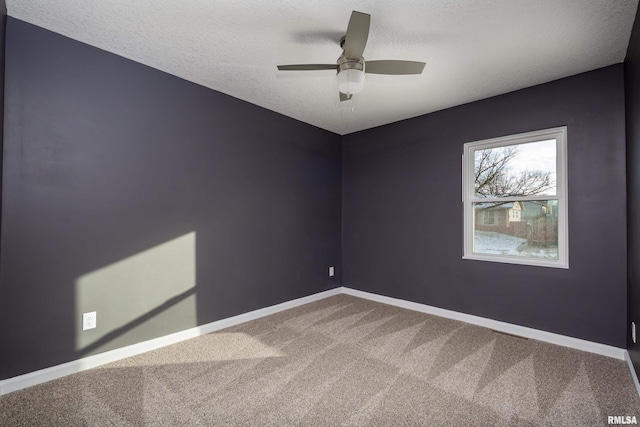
<point x="351" y="66"/>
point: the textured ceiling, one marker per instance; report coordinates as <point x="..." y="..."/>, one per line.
<point x="473" y="49"/>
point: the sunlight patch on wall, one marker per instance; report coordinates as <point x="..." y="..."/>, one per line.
<point x="146" y="295"/>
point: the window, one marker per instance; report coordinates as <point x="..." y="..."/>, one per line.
<point x="515" y="199"/>
<point x="489" y="217"/>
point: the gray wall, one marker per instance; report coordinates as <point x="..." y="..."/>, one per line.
<point x="106" y="159"/>
<point x="3" y="28"/>
<point x="402" y="211"/>
<point x="632" y="98"/>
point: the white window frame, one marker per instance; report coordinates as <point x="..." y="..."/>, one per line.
<point x="469" y="198"/>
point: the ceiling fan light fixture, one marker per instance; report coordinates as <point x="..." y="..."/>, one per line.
<point x="350" y="81"/>
<point x="350" y="75"/>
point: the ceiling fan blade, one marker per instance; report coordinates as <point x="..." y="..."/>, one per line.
<point x="393" y="67"/>
<point x="357" y="34"/>
<point x="307" y="67"/>
<point x="344" y="96"/>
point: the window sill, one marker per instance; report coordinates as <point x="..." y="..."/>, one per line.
<point x="521" y="261"/>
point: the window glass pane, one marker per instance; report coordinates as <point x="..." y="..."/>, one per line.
<point x="516" y="170"/>
<point x="526" y="229"/>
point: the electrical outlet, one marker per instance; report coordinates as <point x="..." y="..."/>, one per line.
<point x="89" y="320"/>
<point x="332" y="271"/>
<point x="633" y="331"/>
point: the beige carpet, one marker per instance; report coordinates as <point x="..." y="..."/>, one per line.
<point x="339" y="361"/>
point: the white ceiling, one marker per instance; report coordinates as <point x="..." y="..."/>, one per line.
<point x="473" y="49"/>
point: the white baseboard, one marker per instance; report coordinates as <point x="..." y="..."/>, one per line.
<point x="536" y="334"/>
<point x="633" y="371"/>
<point x="48" y="374"/>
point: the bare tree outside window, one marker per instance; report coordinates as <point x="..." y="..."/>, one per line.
<point x="494" y="176"/>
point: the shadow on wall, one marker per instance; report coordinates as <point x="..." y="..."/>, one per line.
<point x="158" y="283"/>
